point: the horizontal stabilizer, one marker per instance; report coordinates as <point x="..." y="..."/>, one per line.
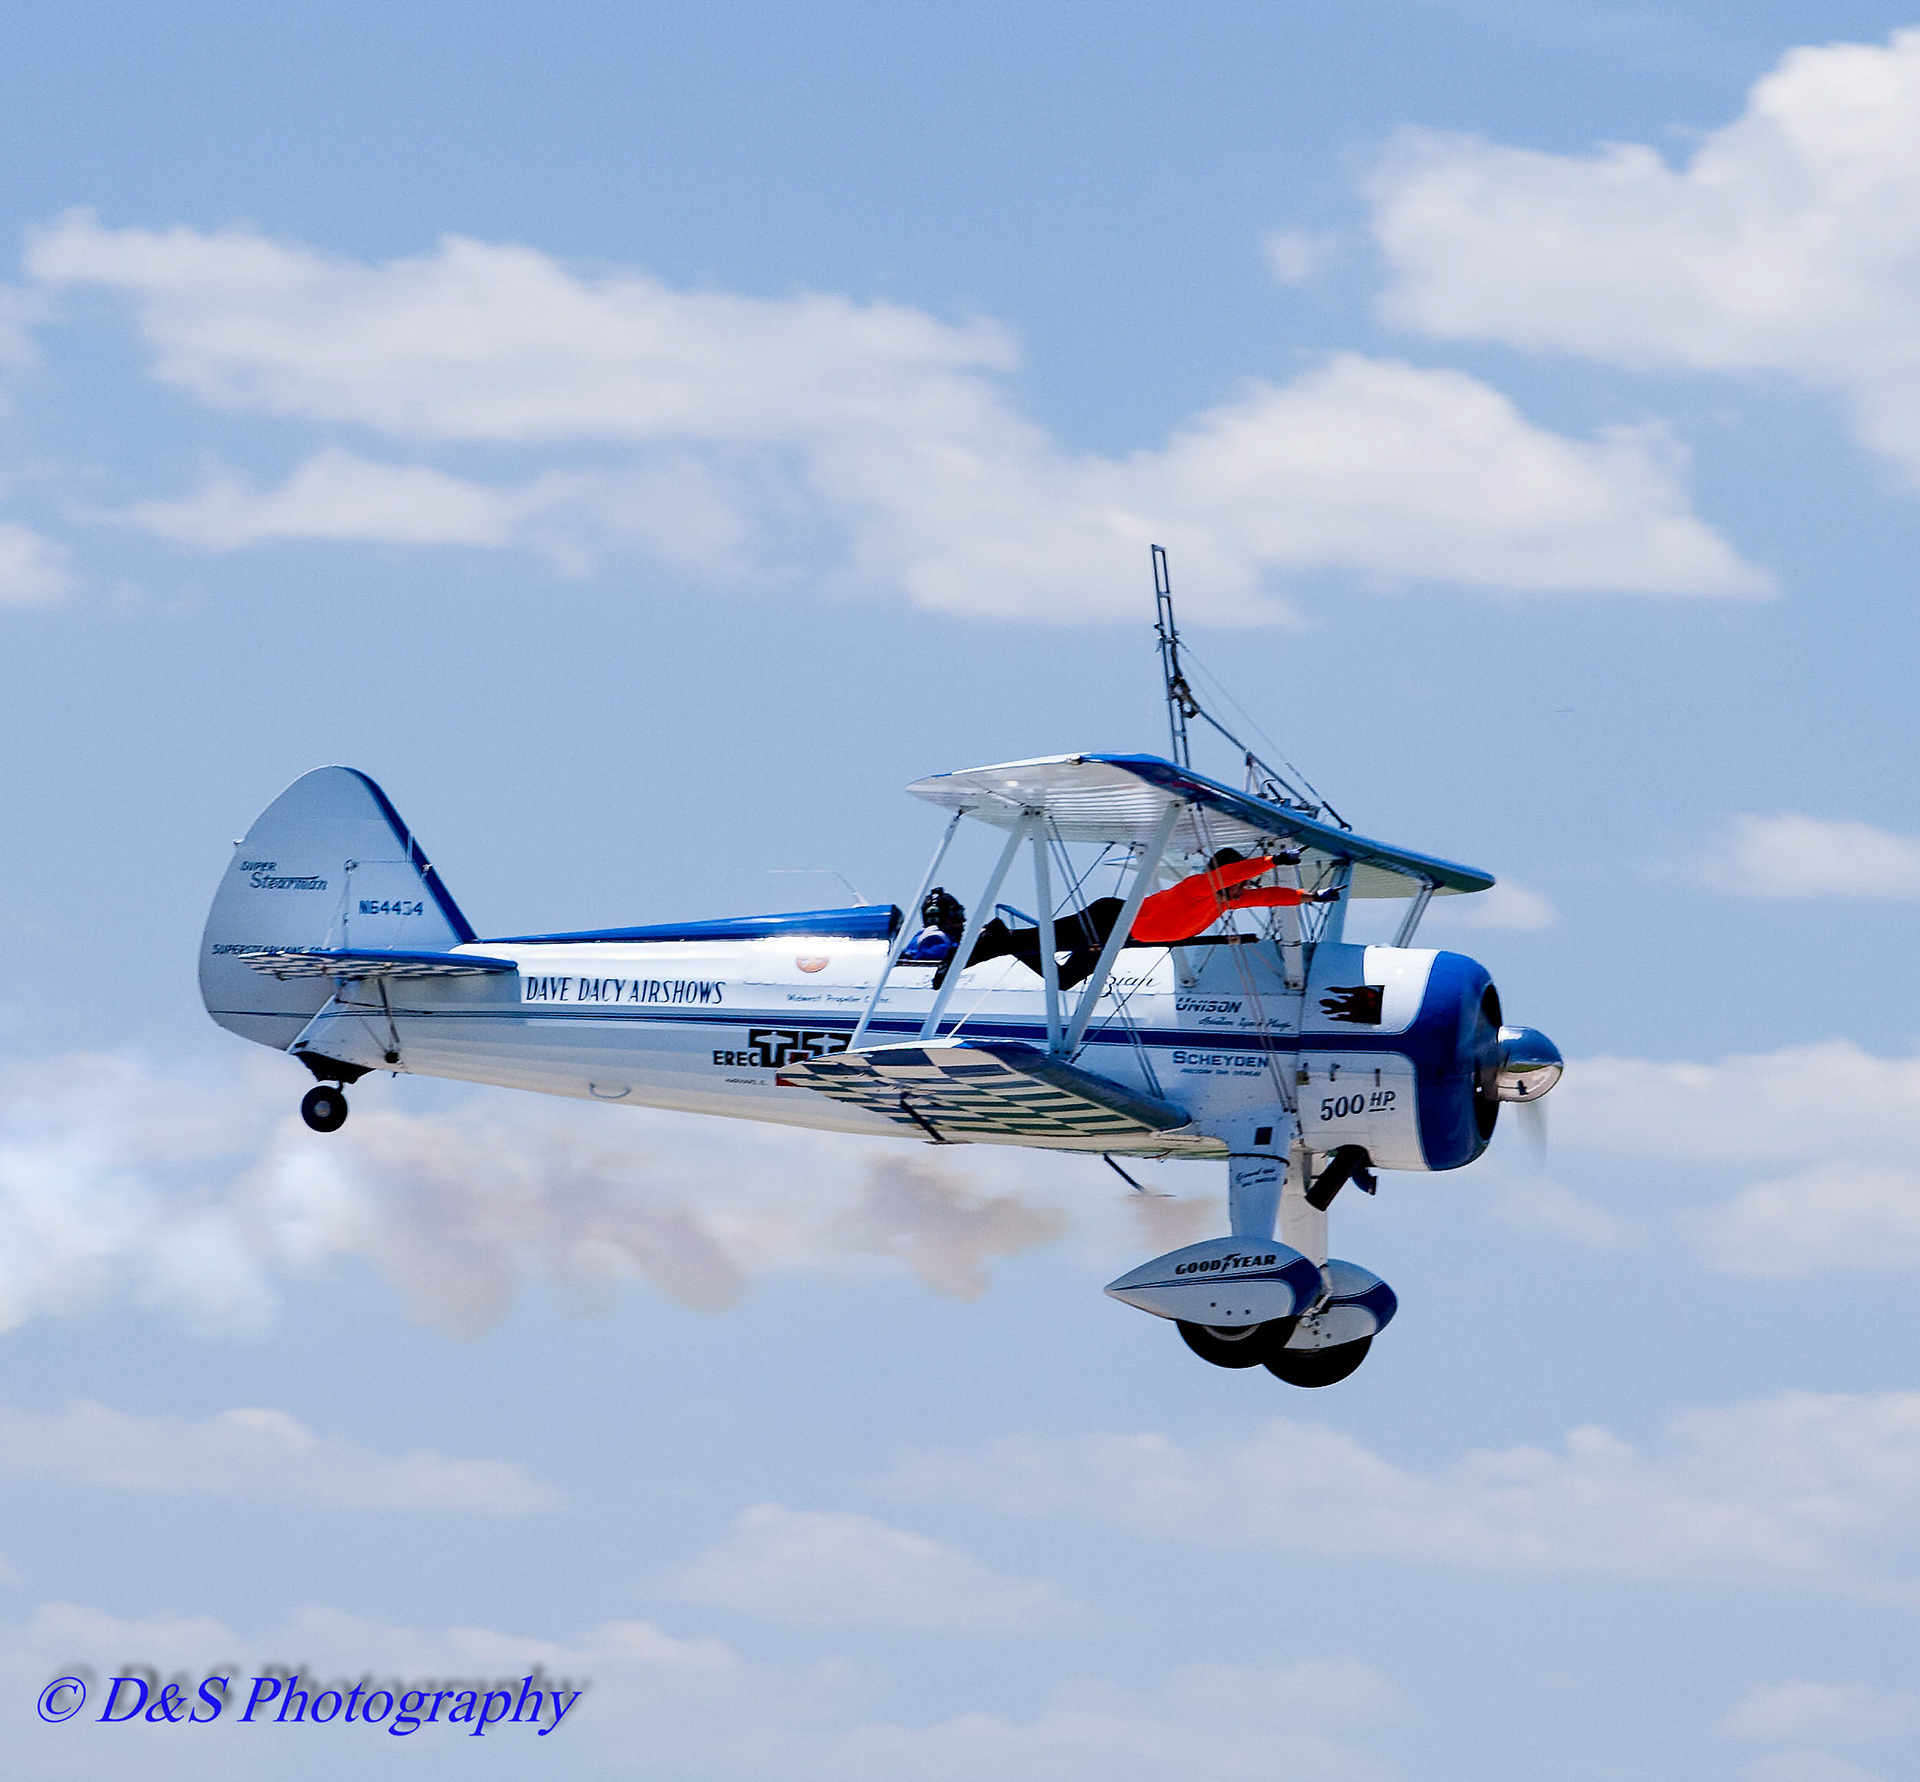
<point x="333" y="962"/>
<point x="961" y="1089"/>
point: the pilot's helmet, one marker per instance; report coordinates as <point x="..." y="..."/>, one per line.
<point x="942" y="910"/>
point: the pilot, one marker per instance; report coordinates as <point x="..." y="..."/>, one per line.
<point x="943" y="920"/>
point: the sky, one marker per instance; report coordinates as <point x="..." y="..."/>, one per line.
<point x="644" y="438"/>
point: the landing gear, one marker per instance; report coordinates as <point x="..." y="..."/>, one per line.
<point x="1316" y="1367"/>
<point x="1242" y="1345"/>
<point x="324" y="1108"/>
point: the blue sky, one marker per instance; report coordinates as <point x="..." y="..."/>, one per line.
<point x="644" y="439"/>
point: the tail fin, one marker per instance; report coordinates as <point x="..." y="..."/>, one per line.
<point x="327" y="864"/>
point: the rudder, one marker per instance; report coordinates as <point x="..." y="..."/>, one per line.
<point x="327" y="864"/>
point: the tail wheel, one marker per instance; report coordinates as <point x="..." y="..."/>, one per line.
<point x="1238" y="1345"/>
<point x="324" y="1108"/>
<point x="1316" y="1367"/>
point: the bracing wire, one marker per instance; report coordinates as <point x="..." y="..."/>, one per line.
<point x="1289" y="778"/>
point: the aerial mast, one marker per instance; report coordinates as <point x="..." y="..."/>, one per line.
<point x="1181" y="704"/>
<point x="1290" y="788"/>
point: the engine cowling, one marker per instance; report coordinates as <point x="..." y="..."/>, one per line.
<point x="1406" y="1053"/>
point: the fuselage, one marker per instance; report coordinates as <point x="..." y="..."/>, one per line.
<point x="1378" y="1047"/>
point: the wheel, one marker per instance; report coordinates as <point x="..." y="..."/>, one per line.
<point x="1239" y="1345"/>
<point x="1316" y="1367"/>
<point x="324" y="1108"/>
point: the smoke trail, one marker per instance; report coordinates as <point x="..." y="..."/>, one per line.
<point x="200" y="1194"/>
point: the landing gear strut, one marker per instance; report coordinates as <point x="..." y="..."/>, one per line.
<point x="324" y="1108"/>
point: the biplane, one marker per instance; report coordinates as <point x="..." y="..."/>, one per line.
<point x="1185" y="991"/>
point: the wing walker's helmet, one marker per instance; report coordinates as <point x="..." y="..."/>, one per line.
<point x="942" y="910"/>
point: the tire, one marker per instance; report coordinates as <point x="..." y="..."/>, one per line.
<point x="1316" y="1367"/>
<point x="324" y="1108"/>
<point x="1246" y="1345"/>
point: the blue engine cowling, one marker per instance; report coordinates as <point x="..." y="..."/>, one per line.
<point x="1455" y="1046"/>
<point x="1417" y="1084"/>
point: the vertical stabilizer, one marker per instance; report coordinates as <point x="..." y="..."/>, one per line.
<point x="327" y="864"/>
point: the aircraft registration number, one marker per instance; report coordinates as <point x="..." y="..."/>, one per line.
<point x="772" y="1048"/>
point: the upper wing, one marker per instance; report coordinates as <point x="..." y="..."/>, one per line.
<point x="1001" y="1089"/>
<point x="333" y="962"/>
<point x="1122" y="798"/>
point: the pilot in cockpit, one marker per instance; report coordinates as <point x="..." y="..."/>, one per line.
<point x="943" y="920"/>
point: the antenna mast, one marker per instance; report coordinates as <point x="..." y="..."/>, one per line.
<point x="1181" y="704"/>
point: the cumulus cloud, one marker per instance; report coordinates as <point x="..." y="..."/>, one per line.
<point x="698" y="1706"/>
<point x="33" y="570"/>
<point x="892" y="424"/>
<point x="673" y="508"/>
<point x="1838" y="1194"/>
<point x="1762" y="1106"/>
<point x="1804" y="1488"/>
<point x="251" y="1453"/>
<point x="1791" y="855"/>
<point x="20" y="308"/>
<point x="1788" y="242"/>
<point x="198" y="1194"/>
<point x="812" y="1567"/>
<point x="1840" y="1713"/>
<point x="1832" y="1215"/>
<point x="1507" y="905"/>
<point x="1298" y="256"/>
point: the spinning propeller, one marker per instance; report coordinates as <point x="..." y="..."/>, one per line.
<point x="1528" y="1065"/>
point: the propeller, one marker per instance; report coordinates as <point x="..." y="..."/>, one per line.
<point x="1533" y="1122"/>
<point x="1529" y="1065"/>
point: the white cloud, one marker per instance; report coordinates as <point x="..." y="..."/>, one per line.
<point x="1788" y="242"/>
<point x="1204" y="1721"/>
<point x="332" y="495"/>
<point x="20" y="308"/>
<point x="1298" y="256"/>
<point x="1540" y="1205"/>
<point x="699" y="1707"/>
<point x="1834" y="1215"/>
<point x="1810" y="1766"/>
<point x="1839" y="1192"/>
<point x="1791" y="855"/>
<point x="1773" y="1107"/>
<point x="33" y="570"/>
<point x="196" y="1195"/>
<point x="817" y="1568"/>
<point x="672" y="507"/>
<point x="889" y="422"/>
<point x="1803" y="1488"/>
<point x="1507" y="905"/>
<point x="251" y="1453"/>
<point x="1841" y="1713"/>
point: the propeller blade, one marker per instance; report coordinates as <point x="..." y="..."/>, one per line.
<point x="1533" y="1122"/>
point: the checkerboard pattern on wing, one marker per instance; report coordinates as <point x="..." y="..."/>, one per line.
<point x="1006" y="1091"/>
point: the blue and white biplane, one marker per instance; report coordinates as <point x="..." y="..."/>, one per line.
<point x="1185" y="993"/>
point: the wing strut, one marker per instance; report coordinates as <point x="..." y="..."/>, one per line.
<point x="1143" y="876"/>
<point x="976" y="920"/>
<point x="908" y="929"/>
